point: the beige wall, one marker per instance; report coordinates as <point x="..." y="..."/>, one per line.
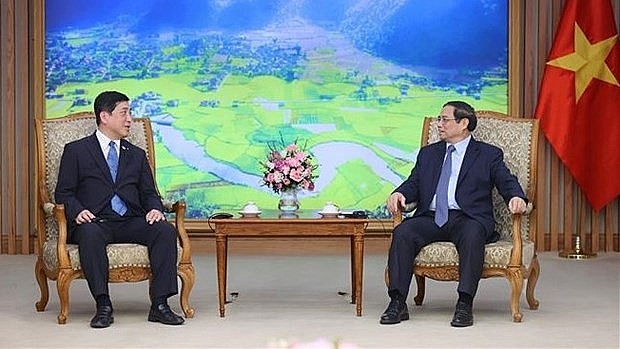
<point x="561" y="207"/>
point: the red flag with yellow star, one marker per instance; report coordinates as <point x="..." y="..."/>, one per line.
<point x="579" y="100"/>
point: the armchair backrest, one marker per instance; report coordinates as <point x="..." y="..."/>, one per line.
<point x="518" y="138"/>
<point x="53" y="134"/>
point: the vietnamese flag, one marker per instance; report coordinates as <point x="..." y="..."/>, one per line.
<point x="579" y="100"/>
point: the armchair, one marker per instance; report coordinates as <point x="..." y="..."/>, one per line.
<point x="59" y="260"/>
<point x="514" y="255"/>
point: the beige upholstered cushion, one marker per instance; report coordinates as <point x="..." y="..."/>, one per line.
<point x="496" y="254"/>
<point x="119" y="255"/>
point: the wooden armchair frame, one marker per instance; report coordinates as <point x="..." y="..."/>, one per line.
<point x="58" y="260"/>
<point x="514" y="255"/>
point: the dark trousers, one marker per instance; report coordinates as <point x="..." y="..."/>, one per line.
<point x="414" y="233"/>
<point x="160" y="239"/>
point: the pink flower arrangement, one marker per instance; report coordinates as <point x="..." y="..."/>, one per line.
<point x="288" y="167"/>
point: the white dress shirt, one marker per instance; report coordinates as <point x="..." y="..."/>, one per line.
<point x="104" y="143"/>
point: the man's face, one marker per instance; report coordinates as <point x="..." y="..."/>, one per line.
<point x="450" y="130"/>
<point x="116" y="125"/>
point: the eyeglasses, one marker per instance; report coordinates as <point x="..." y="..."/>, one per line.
<point x="444" y="119"/>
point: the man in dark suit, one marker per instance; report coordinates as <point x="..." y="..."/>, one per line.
<point x="452" y="184"/>
<point x="109" y="194"/>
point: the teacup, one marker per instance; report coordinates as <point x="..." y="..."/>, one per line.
<point x="330" y="207"/>
<point x="250" y="207"/>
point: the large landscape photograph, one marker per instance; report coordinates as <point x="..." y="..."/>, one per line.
<point x="221" y="80"/>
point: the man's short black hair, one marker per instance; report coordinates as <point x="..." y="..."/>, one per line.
<point x="463" y="110"/>
<point x="107" y="101"/>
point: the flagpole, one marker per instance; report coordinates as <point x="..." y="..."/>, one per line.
<point x="577" y="252"/>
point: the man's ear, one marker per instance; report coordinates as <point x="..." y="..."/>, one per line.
<point x="465" y="122"/>
<point x="103" y="116"/>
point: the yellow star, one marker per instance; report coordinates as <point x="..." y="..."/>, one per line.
<point x="588" y="61"/>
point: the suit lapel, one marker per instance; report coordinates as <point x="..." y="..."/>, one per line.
<point x="438" y="158"/>
<point x="94" y="149"/>
<point x="472" y="152"/>
<point x="124" y="159"/>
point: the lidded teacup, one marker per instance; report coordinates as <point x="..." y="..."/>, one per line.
<point x="330" y="207"/>
<point x="250" y="207"/>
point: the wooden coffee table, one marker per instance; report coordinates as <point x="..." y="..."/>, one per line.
<point x="305" y="225"/>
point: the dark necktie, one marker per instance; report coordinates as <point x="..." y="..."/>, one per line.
<point x="117" y="204"/>
<point x="441" y="198"/>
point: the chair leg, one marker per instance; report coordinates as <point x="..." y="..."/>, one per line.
<point x="186" y="273"/>
<point x="421" y="285"/>
<point x="531" y="284"/>
<point x="515" y="278"/>
<point x="39" y="274"/>
<point x="62" y="284"/>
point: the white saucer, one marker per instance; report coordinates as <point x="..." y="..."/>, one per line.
<point x="329" y="214"/>
<point x="249" y="214"/>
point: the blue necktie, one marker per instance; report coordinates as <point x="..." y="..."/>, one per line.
<point x="117" y="204"/>
<point x="441" y="198"/>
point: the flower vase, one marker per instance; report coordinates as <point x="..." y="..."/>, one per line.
<point x="288" y="203"/>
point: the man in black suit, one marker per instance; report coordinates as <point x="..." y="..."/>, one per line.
<point x="109" y="194"/>
<point x="452" y="205"/>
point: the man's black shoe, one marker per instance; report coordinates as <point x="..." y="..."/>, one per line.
<point x="103" y="317"/>
<point x="463" y="315"/>
<point x="162" y="313"/>
<point x="395" y="313"/>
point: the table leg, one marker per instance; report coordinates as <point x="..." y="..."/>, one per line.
<point x="359" y="269"/>
<point x="221" y="242"/>
<point x="353" y="274"/>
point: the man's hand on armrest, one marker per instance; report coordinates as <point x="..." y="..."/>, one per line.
<point x="517" y="205"/>
<point x="395" y="203"/>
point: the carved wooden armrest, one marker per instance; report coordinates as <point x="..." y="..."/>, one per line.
<point x="398" y="216"/>
<point x="61" y="220"/>
<point x="179" y="208"/>
<point x="47" y="211"/>
<point x="517" y="238"/>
